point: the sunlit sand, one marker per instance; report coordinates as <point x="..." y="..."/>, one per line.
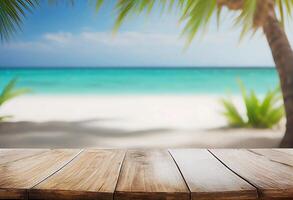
<point x="125" y="121"/>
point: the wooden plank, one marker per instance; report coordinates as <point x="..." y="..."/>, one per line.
<point x="208" y="179"/>
<point x="289" y="151"/>
<point x="150" y="174"/>
<point x="92" y="175"/>
<point x="18" y="176"/>
<point x="11" y="155"/>
<point x="275" y="155"/>
<point x="272" y="179"/>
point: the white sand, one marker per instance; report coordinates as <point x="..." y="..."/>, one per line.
<point x="125" y="121"/>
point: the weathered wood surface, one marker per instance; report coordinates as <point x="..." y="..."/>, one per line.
<point x="273" y="179"/>
<point x="150" y="174"/>
<point x="208" y="179"/>
<point x="22" y="174"/>
<point x="196" y="174"/>
<point x="275" y="155"/>
<point x="10" y="155"/>
<point x="91" y="175"/>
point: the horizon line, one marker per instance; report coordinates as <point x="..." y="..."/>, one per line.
<point x="133" y="67"/>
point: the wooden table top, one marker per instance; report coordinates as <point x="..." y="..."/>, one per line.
<point x="157" y="174"/>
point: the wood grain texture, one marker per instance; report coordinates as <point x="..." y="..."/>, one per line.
<point x="22" y="174"/>
<point x="283" y="157"/>
<point x="289" y="151"/>
<point x="10" y="155"/>
<point x="273" y="179"/>
<point x="146" y="174"/>
<point x="91" y="175"/>
<point x="150" y="174"/>
<point x="208" y="179"/>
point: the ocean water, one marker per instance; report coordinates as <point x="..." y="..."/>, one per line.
<point x="108" y="81"/>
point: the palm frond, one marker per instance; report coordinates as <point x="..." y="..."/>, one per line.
<point x="284" y="8"/>
<point x="246" y="17"/>
<point x="10" y="91"/>
<point x="259" y="113"/>
<point x="99" y="4"/>
<point x="196" y="14"/>
<point x="232" y="115"/>
<point x="12" y="13"/>
<point x="126" y="8"/>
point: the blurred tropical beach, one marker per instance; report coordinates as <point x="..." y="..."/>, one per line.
<point x="142" y="74"/>
<point x="132" y="107"/>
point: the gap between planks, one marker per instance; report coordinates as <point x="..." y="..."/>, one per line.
<point x="256" y="188"/>
<point x="58" y="169"/>
<point x="123" y="161"/>
<point x="169" y="150"/>
<point x="119" y="174"/>
<point x="210" y="151"/>
<point x="204" y="188"/>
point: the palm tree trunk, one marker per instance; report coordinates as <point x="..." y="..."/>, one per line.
<point x="283" y="57"/>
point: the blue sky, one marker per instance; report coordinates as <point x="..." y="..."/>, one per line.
<point x="63" y="35"/>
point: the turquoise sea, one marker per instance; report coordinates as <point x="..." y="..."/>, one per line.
<point x="197" y="80"/>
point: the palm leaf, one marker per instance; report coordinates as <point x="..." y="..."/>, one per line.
<point x="231" y="113"/>
<point x="9" y="91"/>
<point x="284" y="8"/>
<point x="276" y="114"/>
<point x="198" y="17"/>
<point x="245" y="19"/>
<point x="196" y="14"/>
<point x="259" y="114"/>
<point x="99" y="4"/>
<point x="12" y="13"/>
<point x="3" y="118"/>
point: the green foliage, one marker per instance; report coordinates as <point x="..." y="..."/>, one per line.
<point x="195" y="14"/>
<point x="263" y="113"/>
<point x="245" y="18"/>
<point x="284" y="7"/>
<point x="9" y="92"/>
<point x="12" y="13"/>
<point x="232" y="115"/>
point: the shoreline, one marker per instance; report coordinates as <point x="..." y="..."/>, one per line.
<point x="126" y="121"/>
<point x="138" y="95"/>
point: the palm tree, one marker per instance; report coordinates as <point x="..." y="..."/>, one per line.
<point x="251" y="15"/>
